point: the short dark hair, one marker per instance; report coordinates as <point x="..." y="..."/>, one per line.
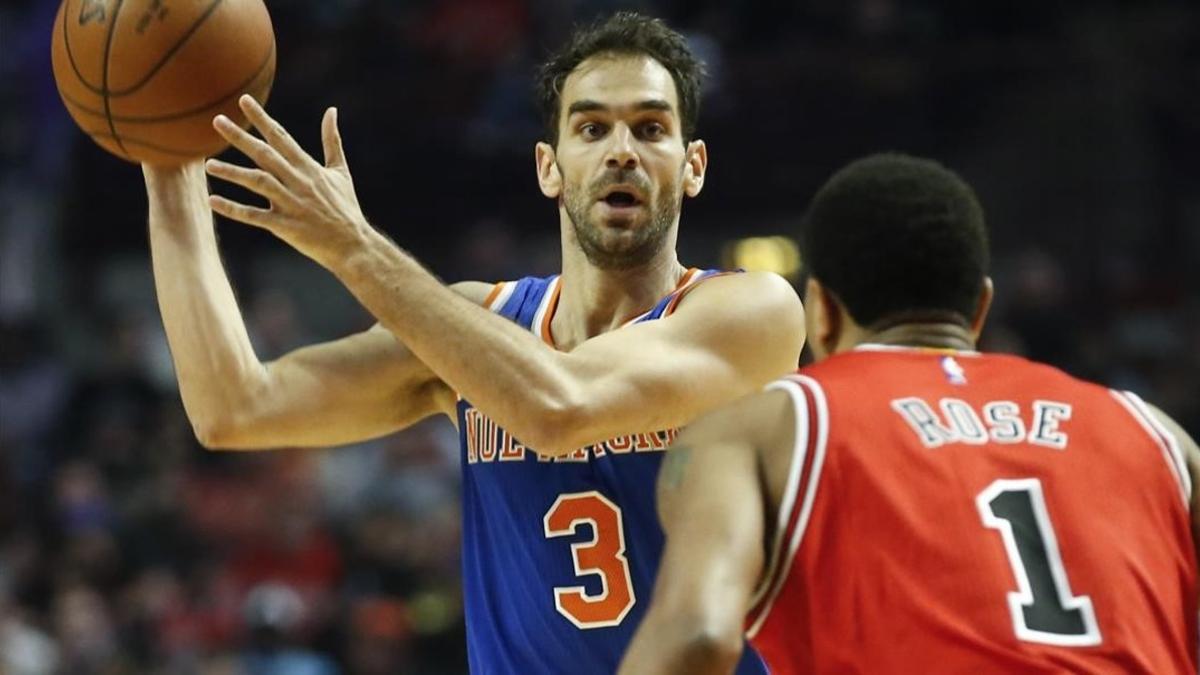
<point x="623" y="33"/>
<point x="898" y="238"/>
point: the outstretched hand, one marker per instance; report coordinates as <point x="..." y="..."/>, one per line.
<point x="313" y="206"/>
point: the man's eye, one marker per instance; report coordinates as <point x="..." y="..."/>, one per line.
<point x="653" y="131"/>
<point x="591" y="130"/>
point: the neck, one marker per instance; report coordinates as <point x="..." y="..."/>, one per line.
<point x="595" y="300"/>
<point x="934" y="335"/>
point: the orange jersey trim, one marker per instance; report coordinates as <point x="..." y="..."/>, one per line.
<point x="493" y="294"/>
<point x="685" y="288"/>
<point x="690" y="278"/>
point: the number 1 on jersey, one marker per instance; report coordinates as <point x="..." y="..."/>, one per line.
<point x="603" y="555"/>
<point x="1043" y="608"/>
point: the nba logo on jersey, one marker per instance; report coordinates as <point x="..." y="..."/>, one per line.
<point x="954" y="372"/>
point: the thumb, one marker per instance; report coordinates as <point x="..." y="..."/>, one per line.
<point x="331" y="139"/>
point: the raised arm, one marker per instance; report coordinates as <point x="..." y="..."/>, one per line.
<point x="358" y="387"/>
<point x="728" y="337"/>
<point x="714" y="506"/>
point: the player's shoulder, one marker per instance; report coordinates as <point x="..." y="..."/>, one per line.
<point x="1175" y="431"/>
<point x="761" y="295"/>
<point x="1025" y="370"/>
<point x="768" y="284"/>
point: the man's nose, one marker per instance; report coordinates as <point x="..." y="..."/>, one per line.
<point x="621" y="153"/>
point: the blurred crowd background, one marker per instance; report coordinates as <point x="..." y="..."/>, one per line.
<point x="127" y="548"/>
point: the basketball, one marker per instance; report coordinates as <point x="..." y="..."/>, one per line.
<point x="144" y="78"/>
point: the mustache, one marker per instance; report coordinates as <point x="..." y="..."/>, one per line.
<point x="620" y="177"/>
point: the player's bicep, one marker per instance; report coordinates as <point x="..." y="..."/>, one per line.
<point x="711" y="506"/>
<point x="713" y="500"/>
<point x="358" y="387"/>
<point x="346" y="390"/>
<point x="728" y="338"/>
<point x="748" y="327"/>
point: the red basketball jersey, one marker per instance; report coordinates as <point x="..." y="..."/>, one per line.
<point x="953" y="512"/>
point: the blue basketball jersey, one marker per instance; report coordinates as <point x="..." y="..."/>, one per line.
<point x="559" y="554"/>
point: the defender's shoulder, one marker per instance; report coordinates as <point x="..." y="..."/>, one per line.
<point x="1190" y="449"/>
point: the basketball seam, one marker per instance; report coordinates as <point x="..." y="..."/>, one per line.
<point x="186" y="113"/>
<point x="171" y="52"/>
<point x="71" y="54"/>
<point x="103" y="89"/>
<point x="112" y="29"/>
<point x="135" y="141"/>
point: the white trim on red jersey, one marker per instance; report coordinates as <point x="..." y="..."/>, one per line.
<point x="1166" y="441"/>
<point x="791" y="488"/>
<point x="812" y="436"/>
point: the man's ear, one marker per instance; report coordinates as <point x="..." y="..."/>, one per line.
<point x="695" y="166"/>
<point x="824" y="318"/>
<point x="982" y="307"/>
<point x="549" y="177"/>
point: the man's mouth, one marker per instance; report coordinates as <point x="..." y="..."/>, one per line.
<point x="621" y="197"/>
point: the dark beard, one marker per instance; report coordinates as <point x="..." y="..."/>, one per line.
<point x="628" y="254"/>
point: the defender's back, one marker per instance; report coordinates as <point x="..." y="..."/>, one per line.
<point x="955" y="512"/>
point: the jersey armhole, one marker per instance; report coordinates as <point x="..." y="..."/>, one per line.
<point x="795" y="507"/>
<point x="1167" y="444"/>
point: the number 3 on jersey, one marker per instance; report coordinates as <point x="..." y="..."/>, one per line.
<point x="1043" y="608"/>
<point x="604" y="555"/>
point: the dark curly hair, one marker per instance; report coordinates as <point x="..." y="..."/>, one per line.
<point x="898" y="238"/>
<point x="623" y="33"/>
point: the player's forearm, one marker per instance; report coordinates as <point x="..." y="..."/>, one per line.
<point x="671" y="645"/>
<point x="501" y="368"/>
<point x="216" y="366"/>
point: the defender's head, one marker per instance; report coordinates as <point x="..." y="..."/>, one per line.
<point x="889" y="240"/>
<point x="620" y="102"/>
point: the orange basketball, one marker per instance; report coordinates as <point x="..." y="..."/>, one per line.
<point x="144" y="78"/>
